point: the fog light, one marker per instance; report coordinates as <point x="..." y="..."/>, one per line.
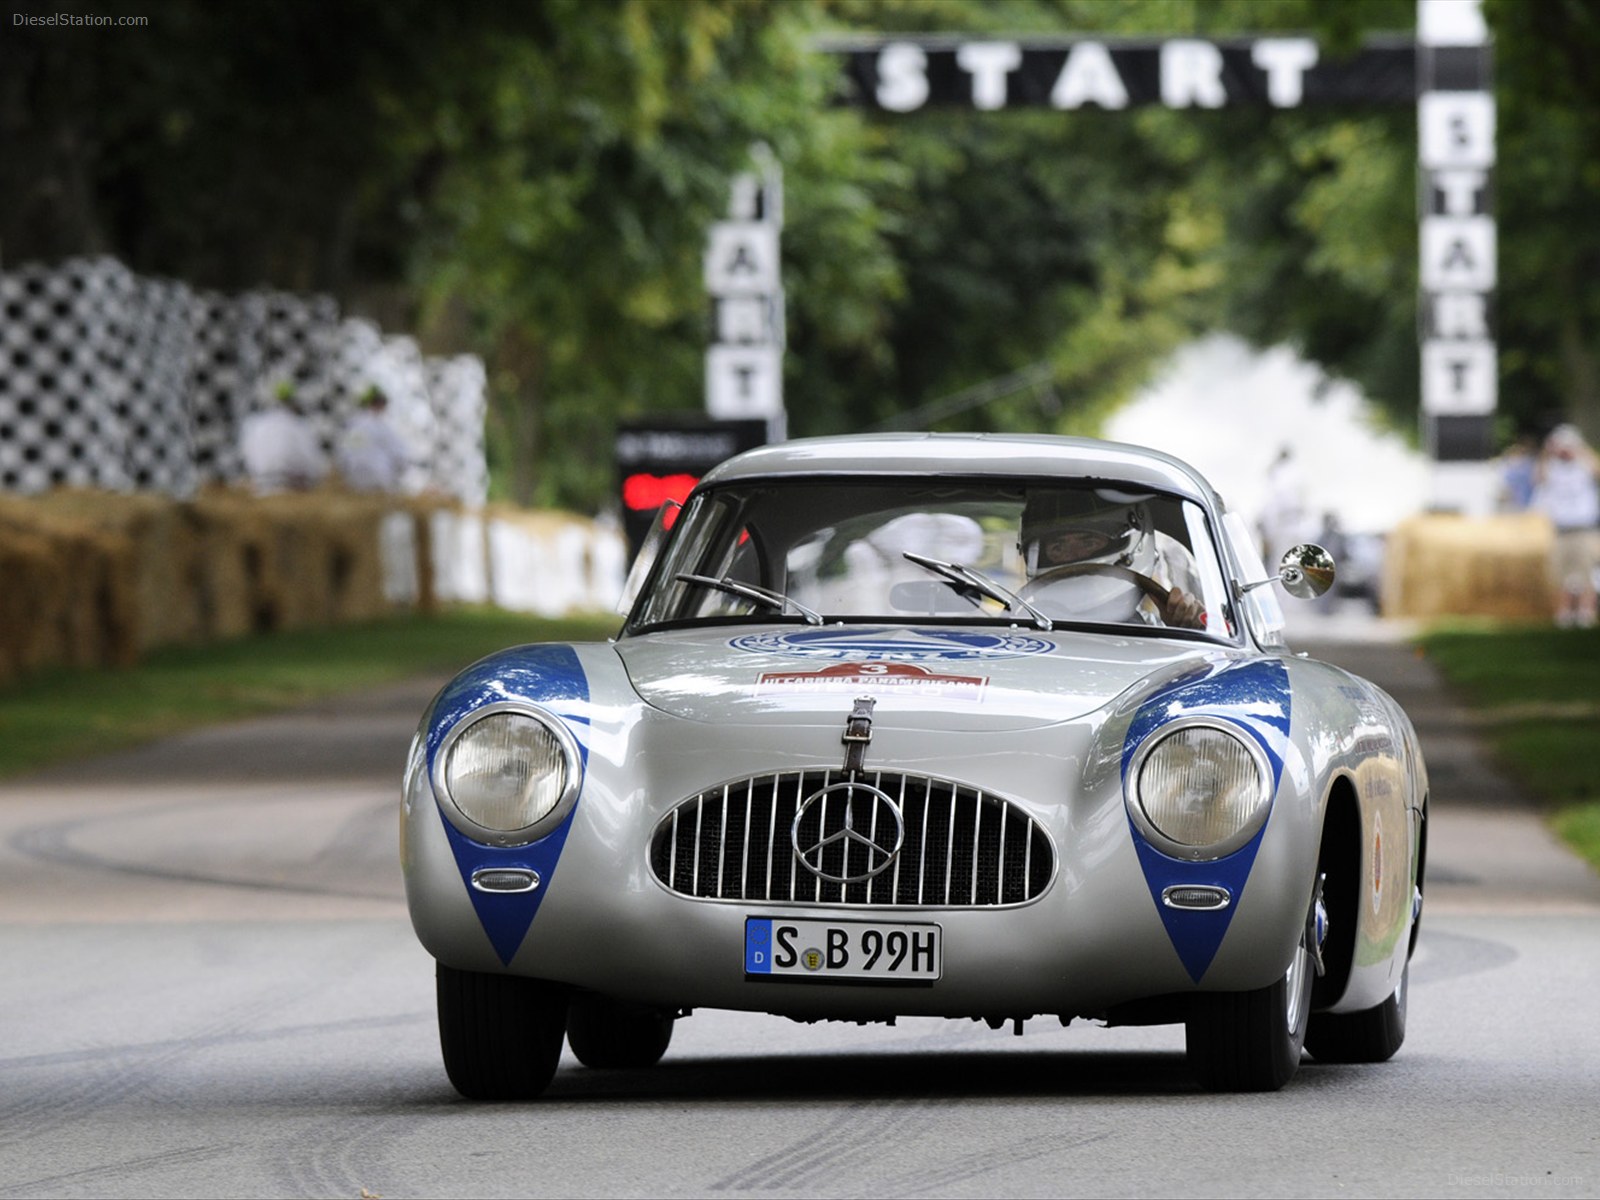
<point x="505" y="879"/>
<point x="1198" y="897"/>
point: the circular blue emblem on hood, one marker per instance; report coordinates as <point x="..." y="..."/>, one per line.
<point x="894" y="645"/>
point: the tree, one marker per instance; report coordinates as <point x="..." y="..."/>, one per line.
<point x="1548" y="188"/>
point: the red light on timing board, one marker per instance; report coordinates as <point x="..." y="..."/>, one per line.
<point x="644" y="492"/>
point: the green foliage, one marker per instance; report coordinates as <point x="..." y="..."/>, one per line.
<point x="1548" y="191"/>
<point x="1579" y="826"/>
<point x="533" y="182"/>
<point x="1532" y="692"/>
<point x="1517" y="667"/>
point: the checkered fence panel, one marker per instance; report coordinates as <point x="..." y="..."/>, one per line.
<point x="58" y="420"/>
<point x="456" y="391"/>
<point x="112" y="380"/>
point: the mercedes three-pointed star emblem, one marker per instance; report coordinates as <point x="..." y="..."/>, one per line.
<point x="865" y="823"/>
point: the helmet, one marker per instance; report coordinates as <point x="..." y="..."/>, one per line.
<point x="1061" y="527"/>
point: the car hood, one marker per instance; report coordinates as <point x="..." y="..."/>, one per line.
<point x="934" y="677"/>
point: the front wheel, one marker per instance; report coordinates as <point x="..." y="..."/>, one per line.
<point x="613" y="1033"/>
<point x="500" y="1034"/>
<point x="1369" y="1036"/>
<point x="1251" y="1041"/>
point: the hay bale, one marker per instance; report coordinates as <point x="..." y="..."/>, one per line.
<point x="76" y="585"/>
<point x="96" y="578"/>
<point x="245" y="585"/>
<point x="164" y="557"/>
<point x="1444" y="564"/>
<point x="30" y="601"/>
<point x="295" y="560"/>
<point x="422" y="539"/>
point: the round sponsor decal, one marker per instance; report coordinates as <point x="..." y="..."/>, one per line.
<point x="894" y="645"/>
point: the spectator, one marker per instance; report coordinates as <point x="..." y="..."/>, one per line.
<point x="279" y="448"/>
<point x="1517" y="468"/>
<point x="372" y="456"/>
<point x="1283" y="518"/>
<point x="1567" y="490"/>
<point x="1331" y="537"/>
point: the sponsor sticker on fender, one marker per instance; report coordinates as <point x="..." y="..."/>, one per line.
<point x="896" y="677"/>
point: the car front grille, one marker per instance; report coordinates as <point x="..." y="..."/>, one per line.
<point x="961" y="848"/>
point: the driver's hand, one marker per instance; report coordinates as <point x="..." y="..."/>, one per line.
<point x="1182" y="610"/>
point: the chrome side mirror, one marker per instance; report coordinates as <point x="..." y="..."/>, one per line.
<point x="1306" y="572"/>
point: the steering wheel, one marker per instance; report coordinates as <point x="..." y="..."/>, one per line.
<point x="1070" y="570"/>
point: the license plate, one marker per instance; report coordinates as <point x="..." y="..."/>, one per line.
<point x="841" y="951"/>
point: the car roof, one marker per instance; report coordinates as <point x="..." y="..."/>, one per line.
<point x="992" y="455"/>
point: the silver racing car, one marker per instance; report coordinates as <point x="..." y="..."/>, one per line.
<point x="938" y="725"/>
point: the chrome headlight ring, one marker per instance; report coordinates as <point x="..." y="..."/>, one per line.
<point x="507" y="774"/>
<point x="1221" y="803"/>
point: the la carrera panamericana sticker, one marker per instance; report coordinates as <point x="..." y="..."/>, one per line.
<point x="882" y="677"/>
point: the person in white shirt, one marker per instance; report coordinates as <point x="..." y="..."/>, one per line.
<point x="372" y="456"/>
<point x="279" y="447"/>
<point x="1567" y="490"/>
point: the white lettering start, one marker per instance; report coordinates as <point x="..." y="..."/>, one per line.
<point x="1191" y="74"/>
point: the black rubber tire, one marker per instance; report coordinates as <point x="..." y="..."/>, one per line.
<point x="1243" y="1041"/>
<point x="1369" y="1036"/>
<point x="607" y="1033"/>
<point x="500" y="1034"/>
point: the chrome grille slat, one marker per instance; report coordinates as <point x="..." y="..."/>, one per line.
<point x="772" y="829"/>
<point x="922" y="858"/>
<point x="798" y="782"/>
<point x="950" y="845"/>
<point x="672" y="862"/>
<point x="699" y="819"/>
<point x="722" y="839"/>
<point x="977" y="829"/>
<point x="894" y="890"/>
<point x="735" y="845"/>
<point x="744" y="855"/>
<point x="1000" y="874"/>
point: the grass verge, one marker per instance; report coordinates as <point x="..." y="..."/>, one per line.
<point x="1537" y="693"/>
<point x="62" y="715"/>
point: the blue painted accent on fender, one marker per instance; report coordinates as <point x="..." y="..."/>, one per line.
<point x="1255" y="697"/>
<point x="1196" y="935"/>
<point x="551" y="677"/>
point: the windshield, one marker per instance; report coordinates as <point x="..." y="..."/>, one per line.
<point x="978" y="552"/>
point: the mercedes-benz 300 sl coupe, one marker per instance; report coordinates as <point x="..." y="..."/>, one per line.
<point x="964" y="726"/>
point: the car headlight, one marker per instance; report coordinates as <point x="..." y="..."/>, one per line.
<point x="507" y="774"/>
<point x="1200" y="790"/>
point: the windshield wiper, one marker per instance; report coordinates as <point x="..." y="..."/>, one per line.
<point x="978" y="581"/>
<point x="751" y="591"/>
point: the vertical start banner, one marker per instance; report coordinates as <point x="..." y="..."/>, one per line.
<point x="744" y="365"/>
<point x="1457" y="246"/>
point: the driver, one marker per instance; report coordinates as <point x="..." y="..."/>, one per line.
<point x="1064" y="528"/>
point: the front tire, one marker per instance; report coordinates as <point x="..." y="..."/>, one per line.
<point x="1251" y="1041"/>
<point x="607" y="1033"/>
<point x="500" y="1034"/>
<point x="1369" y="1036"/>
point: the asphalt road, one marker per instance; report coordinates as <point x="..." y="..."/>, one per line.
<point x="210" y="989"/>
